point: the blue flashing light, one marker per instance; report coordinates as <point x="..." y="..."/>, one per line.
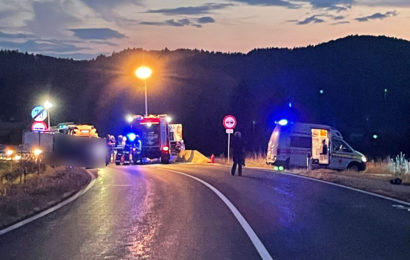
<point x="290" y="104"/>
<point x="283" y="122"/>
<point x="375" y="136"/>
<point x="131" y="137"/>
<point x="321" y="91"/>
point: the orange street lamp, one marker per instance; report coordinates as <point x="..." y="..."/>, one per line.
<point x="144" y="73"/>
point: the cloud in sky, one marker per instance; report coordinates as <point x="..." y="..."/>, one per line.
<point x="50" y="18"/>
<point x="375" y="16"/>
<point x="97" y="33"/>
<point x="334" y="4"/>
<point x="173" y="22"/>
<point x="311" y="19"/>
<point x="390" y="3"/>
<point x="191" y="10"/>
<point x="196" y="22"/>
<point x="206" y="19"/>
<point x="338" y="8"/>
<point x="320" y="18"/>
<point x="284" y="3"/>
<point x="338" y="17"/>
<point x="106" y="5"/>
<point x="108" y="25"/>
<point x="44" y="46"/>
<point x="340" y="22"/>
<point x="15" y="35"/>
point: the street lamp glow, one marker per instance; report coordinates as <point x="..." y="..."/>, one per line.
<point x="169" y="119"/>
<point x="143" y="72"/>
<point x="48" y="105"/>
<point x="37" y="152"/>
<point x="129" y="118"/>
<point x="9" y="152"/>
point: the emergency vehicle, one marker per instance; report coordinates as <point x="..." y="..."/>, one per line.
<point x="175" y="139"/>
<point x="78" y="130"/>
<point x="153" y="133"/>
<point x="315" y="145"/>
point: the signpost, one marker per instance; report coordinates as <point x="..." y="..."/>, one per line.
<point x="229" y="122"/>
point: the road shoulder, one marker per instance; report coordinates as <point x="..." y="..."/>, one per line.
<point x="41" y="196"/>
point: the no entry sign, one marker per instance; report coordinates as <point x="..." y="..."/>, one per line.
<point x="38" y="126"/>
<point x="229" y="122"/>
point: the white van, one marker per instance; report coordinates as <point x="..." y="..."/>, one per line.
<point x="305" y="145"/>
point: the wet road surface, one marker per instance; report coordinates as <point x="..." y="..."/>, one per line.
<point x="136" y="212"/>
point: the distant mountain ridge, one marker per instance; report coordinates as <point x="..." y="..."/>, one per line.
<point x="364" y="81"/>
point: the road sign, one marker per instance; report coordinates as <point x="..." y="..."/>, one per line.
<point x="39" y="113"/>
<point x="229" y="122"/>
<point x="38" y="126"/>
<point x="229" y="131"/>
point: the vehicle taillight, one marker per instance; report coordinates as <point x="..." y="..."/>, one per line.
<point x="165" y="148"/>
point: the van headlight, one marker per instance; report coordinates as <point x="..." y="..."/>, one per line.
<point x="364" y="159"/>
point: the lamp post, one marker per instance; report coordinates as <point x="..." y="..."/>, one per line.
<point x="144" y="73"/>
<point x="47" y="106"/>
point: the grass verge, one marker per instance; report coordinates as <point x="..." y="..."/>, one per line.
<point x="39" y="192"/>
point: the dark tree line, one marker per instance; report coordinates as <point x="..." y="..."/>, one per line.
<point x="359" y="84"/>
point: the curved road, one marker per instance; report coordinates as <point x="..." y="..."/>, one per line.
<point x="153" y="212"/>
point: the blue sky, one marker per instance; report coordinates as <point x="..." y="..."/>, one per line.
<point x="86" y="28"/>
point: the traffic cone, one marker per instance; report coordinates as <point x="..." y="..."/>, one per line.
<point x="212" y="158"/>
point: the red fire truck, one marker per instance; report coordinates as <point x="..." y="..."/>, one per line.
<point x="153" y="133"/>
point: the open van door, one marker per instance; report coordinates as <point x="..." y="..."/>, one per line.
<point x="320" y="146"/>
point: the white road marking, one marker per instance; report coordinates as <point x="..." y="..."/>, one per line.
<point x="248" y="229"/>
<point x="50" y="210"/>
<point x="338" y="185"/>
<point x="401" y="207"/>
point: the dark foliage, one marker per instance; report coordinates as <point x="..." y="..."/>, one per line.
<point x="198" y="88"/>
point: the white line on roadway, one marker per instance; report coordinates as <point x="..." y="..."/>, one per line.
<point x="336" y="184"/>
<point x="248" y="229"/>
<point x="50" y="210"/>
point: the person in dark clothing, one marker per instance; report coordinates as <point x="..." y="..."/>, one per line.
<point x="238" y="153"/>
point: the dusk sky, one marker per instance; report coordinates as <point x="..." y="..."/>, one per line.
<point x="86" y="28"/>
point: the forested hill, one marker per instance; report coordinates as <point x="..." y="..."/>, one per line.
<point x="359" y="84"/>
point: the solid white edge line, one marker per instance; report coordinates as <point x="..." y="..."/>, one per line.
<point x="52" y="209"/>
<point x="248" y="229"/>
<point x="335" y="184"/>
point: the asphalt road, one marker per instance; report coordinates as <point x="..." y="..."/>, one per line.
<point x="152" y="212"/>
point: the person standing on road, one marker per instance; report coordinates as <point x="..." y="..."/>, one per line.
<point x="238" y="153"/>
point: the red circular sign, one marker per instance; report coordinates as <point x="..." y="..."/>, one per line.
<point x="229" y="122"/>
<point x="38" y="126"/>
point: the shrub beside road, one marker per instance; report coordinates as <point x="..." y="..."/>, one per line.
<point x="24" y="192"/>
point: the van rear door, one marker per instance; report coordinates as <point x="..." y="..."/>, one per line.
<point x="320" y="146"/>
